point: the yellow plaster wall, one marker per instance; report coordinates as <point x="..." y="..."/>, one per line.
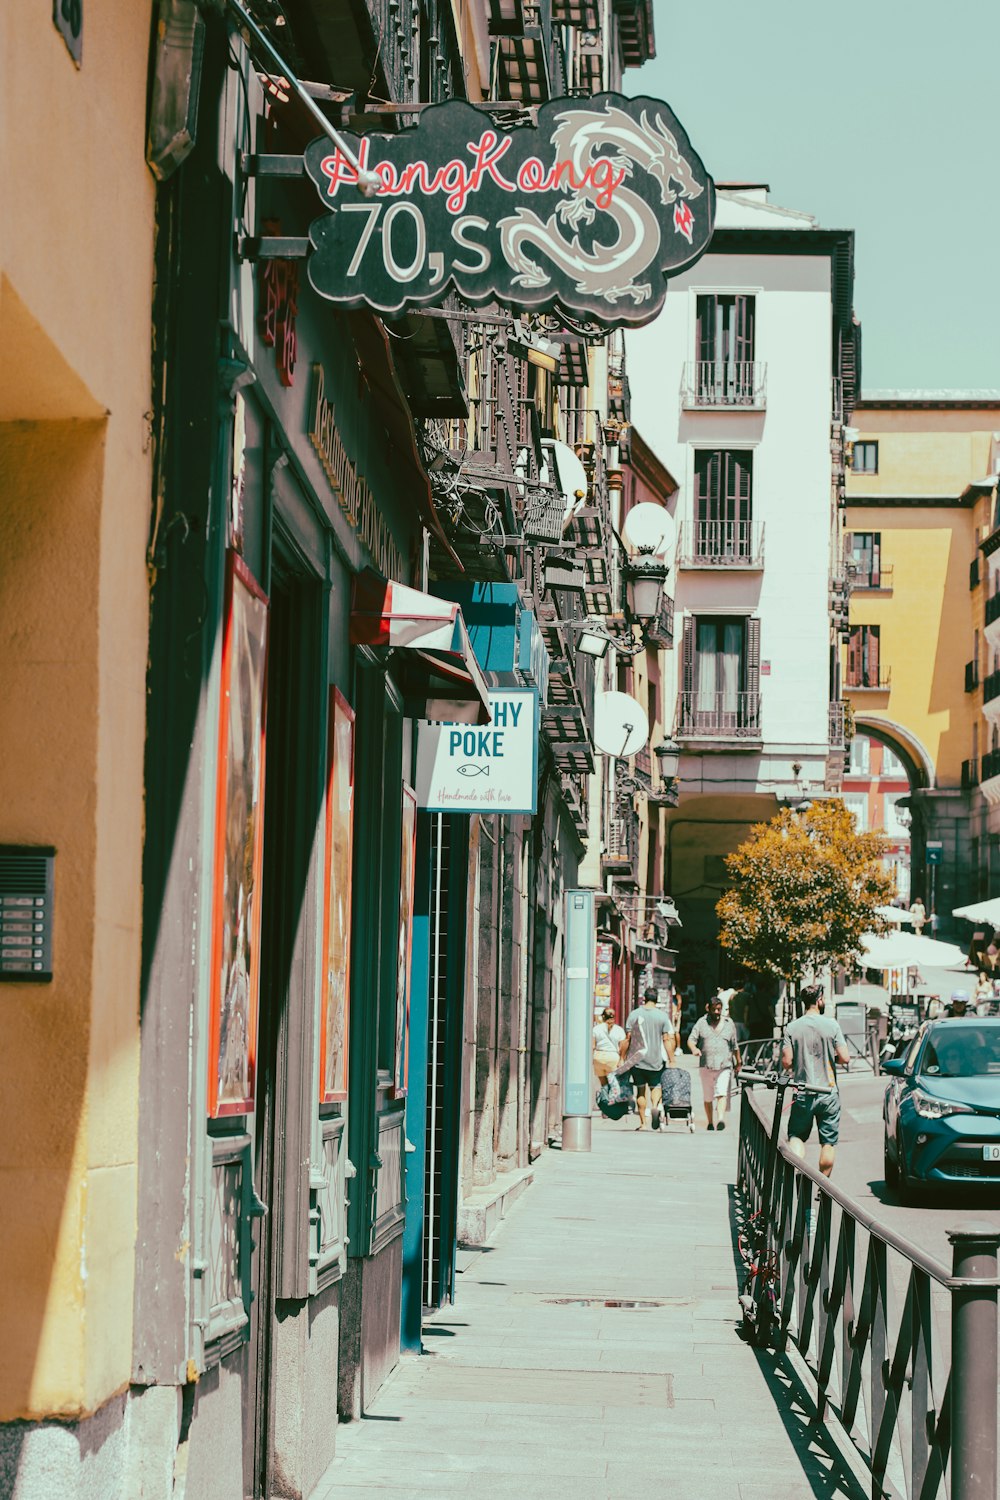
<point x="927" y="621"/>
<point x="76" y="235"/>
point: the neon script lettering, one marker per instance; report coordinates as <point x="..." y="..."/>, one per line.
<point x="458" y="179"/>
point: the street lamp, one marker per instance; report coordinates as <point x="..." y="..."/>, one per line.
<point x="668" y="758"/>
<point x="647" y="534"/>
<point x="644" y="580"/>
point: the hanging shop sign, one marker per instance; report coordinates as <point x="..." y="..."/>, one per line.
<point x="590" y="209"/>
<point x="350" y="487"/>
<point x="465" y="768"/>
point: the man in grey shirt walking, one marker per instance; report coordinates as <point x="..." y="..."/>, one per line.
<point x="813" y="1045"/>
<point x="645" y="1028"/>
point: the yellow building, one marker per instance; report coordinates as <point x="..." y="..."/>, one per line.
<point x="916" y="516"/>
<point x="76" y="248"/>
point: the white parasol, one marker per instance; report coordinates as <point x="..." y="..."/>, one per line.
<point x="900" y="950"/>
<point x="981" y="911"/>
<point x="896" y="914"/>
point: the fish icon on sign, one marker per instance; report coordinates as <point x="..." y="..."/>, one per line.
<point x="472" y="770"/>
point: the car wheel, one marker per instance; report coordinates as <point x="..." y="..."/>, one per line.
<point x="890" y="1168"/>
<point x="908" y="1189"/>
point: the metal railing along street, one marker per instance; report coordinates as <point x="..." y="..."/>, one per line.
<point x="902" y="1352"/>
<point x="723" y="716"/>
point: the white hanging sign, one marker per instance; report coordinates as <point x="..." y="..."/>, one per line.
<point x="466" y="768"/>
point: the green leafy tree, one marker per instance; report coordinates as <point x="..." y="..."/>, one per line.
<point x="806" y="888"/>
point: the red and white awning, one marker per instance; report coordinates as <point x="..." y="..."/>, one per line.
<point x="437" y="667"/>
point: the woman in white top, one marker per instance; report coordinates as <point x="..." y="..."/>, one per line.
<point x="607" y="1045"/>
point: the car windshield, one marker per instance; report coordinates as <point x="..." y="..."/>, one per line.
<point x="961" y="1052"/>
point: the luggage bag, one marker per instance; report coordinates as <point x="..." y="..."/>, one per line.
<point x="675" y="1085"/>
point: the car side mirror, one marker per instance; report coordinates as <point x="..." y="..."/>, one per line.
<point x="893" y="1065"/>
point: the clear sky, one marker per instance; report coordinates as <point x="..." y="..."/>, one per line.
<point x="881" y="116"/>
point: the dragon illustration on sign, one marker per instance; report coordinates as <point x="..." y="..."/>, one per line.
<point x="612" y="272"/>
<point x="590" y="210"/>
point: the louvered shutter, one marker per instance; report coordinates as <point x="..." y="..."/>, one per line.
<point x="873" y="662"/>
<point x="687" y="673"/>
<point x="750" y="718"/>
<point x="744" y="330"/>
<point x="705" y="332"/>
<point x="854" y="657"/>
<point x="876" y="565"/>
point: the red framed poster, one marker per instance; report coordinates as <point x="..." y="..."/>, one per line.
<point x="239" y="845"/>
<point x="407" y="867"/>
<point x="336" y="1003"/>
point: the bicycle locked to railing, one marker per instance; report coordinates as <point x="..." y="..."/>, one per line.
<point x="901" y="1353"/>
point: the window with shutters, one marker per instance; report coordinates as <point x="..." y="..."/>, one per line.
<point x="723" y="489"/>
<point x="720" y="667"/>
<point x="864" y="667"/>
<point x="725" y="372"/>
<point x="866" y="560"/>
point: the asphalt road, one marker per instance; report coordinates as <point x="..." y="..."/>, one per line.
<point x="858" y="1172"/>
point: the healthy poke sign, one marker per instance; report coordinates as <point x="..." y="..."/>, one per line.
<point x="592" y="209"/>
<point x="466" y="768"/>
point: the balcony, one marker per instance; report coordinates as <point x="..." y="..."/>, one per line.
<point x="974" y="573"/>
<point x="728" y="717"/>
<point x="714" y="385"/>
<point x="837" y="725"/>
<point x="991" y="620"/>
<point x="736" y="545"/>
<point x="970" y="773"/>
<point x="991" y="695"/>
<point x="989" y="776"/>
<point x="660" y="632"/>
<point x="872" y="580"/>
<point x="971" y="676"/>
<point x="878" y="681"/>
<point x="621" y="846"/>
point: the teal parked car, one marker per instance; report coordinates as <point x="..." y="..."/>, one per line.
<point x="942" y="1108"/>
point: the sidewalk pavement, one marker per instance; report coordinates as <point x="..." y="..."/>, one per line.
<point x="535" y="1377"/>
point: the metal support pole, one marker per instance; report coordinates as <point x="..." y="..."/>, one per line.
<point x="974" y="1363"/>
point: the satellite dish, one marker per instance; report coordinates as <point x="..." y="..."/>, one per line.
<point x="621" y="727"/>
<point x="649" y="529"/>
<point x="567" y="473"/>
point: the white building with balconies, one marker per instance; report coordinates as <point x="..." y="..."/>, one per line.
<point x="743" y="385"/>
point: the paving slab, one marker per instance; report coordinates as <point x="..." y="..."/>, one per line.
<point x="539" y="1373"/>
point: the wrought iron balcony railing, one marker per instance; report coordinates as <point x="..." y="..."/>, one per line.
<point x="837" y="736"/>
<point x="993" y="608"/>
<point x="878" y="577"/>
<point x="719" y="382"/>
<point x="621" y="845"/>
<point x="989" y="766"/>
<point x="660" y="632"/>
<point x="871" y="681"/>
<point x="719" y="716"/>
<point x="721" y="544"/>
<point x="970" y="773"/>
<point x="991" y="687"/>
<point x="971" y="676"/>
